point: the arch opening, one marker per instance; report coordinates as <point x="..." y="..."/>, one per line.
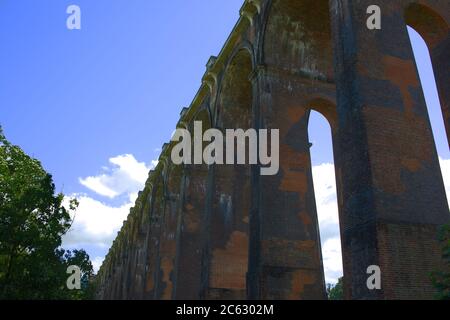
<point x="321" y="125"/>
<point x="422" y="39"/>
<point x="429" y="35"/>
<point x="231" y="205"/>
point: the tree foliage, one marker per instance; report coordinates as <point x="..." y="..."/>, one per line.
<point x="441" y="279"/>
<point x="32" y="221"/>
<point x="336" y="292"/>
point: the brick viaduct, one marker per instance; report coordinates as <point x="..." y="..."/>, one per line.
<point x="225" y="232"/>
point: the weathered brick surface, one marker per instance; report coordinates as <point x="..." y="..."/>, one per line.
<point x="225" y="232"/>
<point x="408" y="254"/>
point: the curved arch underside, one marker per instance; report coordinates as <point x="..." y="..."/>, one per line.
<point x="298" y="38"/>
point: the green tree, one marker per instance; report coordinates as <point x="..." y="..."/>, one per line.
<point x="441" y="279"/>
<point x="32" y="221"/>
<point x="336" y="292"/>
<point x="81" y="259"/>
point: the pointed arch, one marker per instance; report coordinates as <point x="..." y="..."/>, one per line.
<point x="435" y="30"/>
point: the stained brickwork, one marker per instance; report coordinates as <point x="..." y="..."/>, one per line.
<point x="225" y="232"/>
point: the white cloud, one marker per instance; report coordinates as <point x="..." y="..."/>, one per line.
<point x="445" y="168"/>
<point x="97" y="185"/>
<point x="153" y="164"/>
<point x="327" y="210"/>
<point x="332" y="259"/>
<point x="127" y="175"/>
<point x="96" y="222"/>
<point x="325" y="192"/>
<point x="97" y="263"/>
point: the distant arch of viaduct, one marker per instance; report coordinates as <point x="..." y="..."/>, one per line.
<point x="225" y="232"/>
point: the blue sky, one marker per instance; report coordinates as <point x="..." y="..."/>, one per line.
<point x="95" y="105"/>
<point x="75" y="98"/>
